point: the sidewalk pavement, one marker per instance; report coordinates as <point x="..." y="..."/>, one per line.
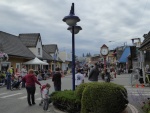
<point x="128" y="110"/>
<point x="125" y="80"/>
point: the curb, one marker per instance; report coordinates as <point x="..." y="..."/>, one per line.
<point x="130" y="106"/>
<point x="133" y="109"/>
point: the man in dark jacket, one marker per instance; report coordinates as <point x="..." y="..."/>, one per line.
<point x="94" y="73"/>
<point x="57" y="80"/>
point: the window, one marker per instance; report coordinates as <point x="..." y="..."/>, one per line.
<point x="38" y="51"/>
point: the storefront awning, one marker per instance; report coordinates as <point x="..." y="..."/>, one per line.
<point x="124" y="56"/>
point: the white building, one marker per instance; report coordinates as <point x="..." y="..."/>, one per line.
<point x="66" y="58"/>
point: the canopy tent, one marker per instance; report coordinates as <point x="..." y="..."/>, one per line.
<point x="126" y="53"/>
<point x="36" y="61"/>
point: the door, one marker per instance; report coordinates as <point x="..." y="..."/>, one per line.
<point x="18" y="66"/>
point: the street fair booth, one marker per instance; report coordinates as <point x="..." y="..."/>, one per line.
<point x="35" y="63"/>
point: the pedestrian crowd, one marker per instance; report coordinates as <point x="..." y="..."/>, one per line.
<point x="29" y="79"/>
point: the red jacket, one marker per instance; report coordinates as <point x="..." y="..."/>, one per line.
<point x="30" y="80"/>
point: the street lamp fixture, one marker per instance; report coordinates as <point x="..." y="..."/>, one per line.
<point x="72" y="20"/>
<point x="76" y="29"/>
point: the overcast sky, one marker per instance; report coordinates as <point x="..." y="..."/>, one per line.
<point x="101" y="20"/>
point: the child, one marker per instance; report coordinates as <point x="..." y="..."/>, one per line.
<point x="45" y="96"/>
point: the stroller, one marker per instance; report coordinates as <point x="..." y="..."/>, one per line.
<point x="17" y="84"/>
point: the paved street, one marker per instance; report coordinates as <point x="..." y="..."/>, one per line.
<point x="15" y="101"/>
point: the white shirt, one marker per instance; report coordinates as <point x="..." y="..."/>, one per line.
<point x="78" y="78"/>
<point x="44" y="93"/>
<point x="23" y="72"/>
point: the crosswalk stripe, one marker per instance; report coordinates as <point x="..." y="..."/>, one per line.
<point x="140" y="92"/>
<point x="38" y="98"/>
<point x="26" y="96"/>
<point x="136" y="94"/>
<point x="11" y="95"/>
<point x="22" y="97"/>
<point x="3" y="93"/>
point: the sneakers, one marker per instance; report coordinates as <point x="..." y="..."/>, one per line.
<point x="48" y="110"/>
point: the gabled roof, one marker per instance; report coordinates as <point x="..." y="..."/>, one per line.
<point x="46" y="56"/>
<point x="50" y="48"/>
<point x="146" y="43"/>
<point x="29" y="39"/>
<point x="12" y="45"/>
<point x="59" y="60"/>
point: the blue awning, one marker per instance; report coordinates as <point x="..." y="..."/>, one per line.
<point x="124" y="57"/>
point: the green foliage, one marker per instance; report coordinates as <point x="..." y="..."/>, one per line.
<point x="79" y="90"/>
<point x="66" y="101"/>
<point x="2" y="75"/>
<point x="146" y="107"/>
<point x="103" y="98"/>
<point x="93" y="97"/>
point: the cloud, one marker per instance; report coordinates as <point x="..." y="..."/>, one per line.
<point x="101" y="20"/>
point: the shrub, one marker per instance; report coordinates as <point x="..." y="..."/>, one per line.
<point x="103" y="98"/>
<point x="66" y="101"/>
<point x="79" y="90"/>
<point x="146" y="106"/>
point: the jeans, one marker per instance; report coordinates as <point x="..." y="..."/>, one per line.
<point x="30" y="94"/>
<point x="8" y="83"/>
<point x="23" y="84"/>
<point x="45" y="104"/>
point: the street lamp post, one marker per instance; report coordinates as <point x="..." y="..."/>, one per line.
<point x="71" y="20"/>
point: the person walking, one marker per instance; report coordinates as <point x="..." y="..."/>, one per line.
<point x="107" y="75"/>
<point x="9" y="74"/>
<point x="30" y="81"/>
<point x="94" y="73"/>
<point x="57" y="79"/>
<point x="86" y="70"/>
<point x="79" y="78"/>
<point x="23" y="73"/>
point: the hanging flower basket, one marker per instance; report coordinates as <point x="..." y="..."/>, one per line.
<point x="3" y="57"/>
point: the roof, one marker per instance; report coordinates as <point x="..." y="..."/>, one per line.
<point x="124" y="56"/>
<point x="29" y="39"/>
<point x="51" y="48"/>
<point x="12" y="45"/>
<point x="59" y="60"/>
<point x="46" y="56"/>
<point x="146" y="43"/>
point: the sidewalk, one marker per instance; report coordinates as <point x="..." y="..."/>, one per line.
<point x="128" y="110"/>
<point x="125" y="80"/>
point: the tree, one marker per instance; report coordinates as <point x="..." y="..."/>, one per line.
<point x="89" y="54"/>
<point x="83" y="55"/>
